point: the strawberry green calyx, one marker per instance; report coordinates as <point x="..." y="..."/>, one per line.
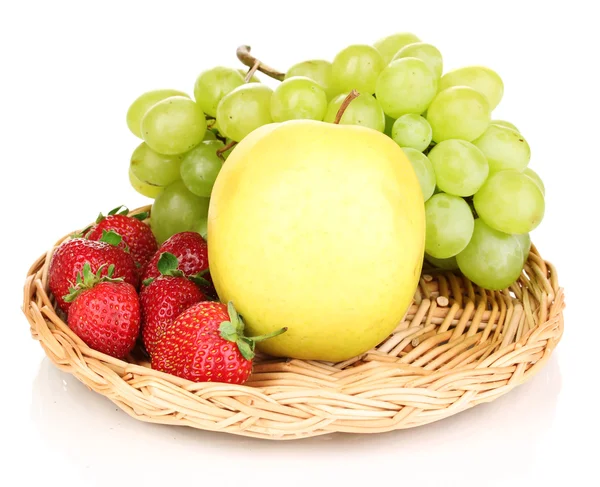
<point x="233" y="331"/>
<point x="87" y="280"/>
<point x="111" y="237"/>
<point x="168" y="265"/>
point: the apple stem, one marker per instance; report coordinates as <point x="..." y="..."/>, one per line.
<point x="225" y="148"/>
<point x="247" y="59"/>
<point x="340" y="113"/>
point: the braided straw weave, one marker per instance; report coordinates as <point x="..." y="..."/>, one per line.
<point x="458" y="346"/>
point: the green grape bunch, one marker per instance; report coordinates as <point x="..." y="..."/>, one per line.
<point x="482" y="200"/>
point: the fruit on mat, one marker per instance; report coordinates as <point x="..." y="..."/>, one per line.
<point x="459" y="112"/>
<point x="504" y="148"/>
<point x="154" y="169"/>
<point x="411" y="130"/>
<point x="363" y="110"/>
<point x="449" y="225"/>
<point x="206" y="343"/>
<point x="300" y="210"/>
<point x="492" y="259"/>
<point x="104" y="311"/>
<point x="460" y="167"/>
<point x="164" y="298"/>
<point x="213" y="84"/>
<point x="482" y="79"/>
<point x="137" y="237"/>
<point x="406" y="85"/>
<point x="143" y="103"/>
<point x="423" y="169"/>
<point x="201" y="166"/>
<point x="298" y="98"/>
<point x="176" y="209"/>
<point x="357" y="68"/>
<point x="510" y="202"/>
<point x="173" y="125"/>
<point x="442" y="121"/>
<point x="70" y="256"/>
<point x="244" y="109"/>
<point x="190" y="250"/>
<point x="427" y="53"/>
<point x="318" y="70"/>
<point x="390" y="45"/>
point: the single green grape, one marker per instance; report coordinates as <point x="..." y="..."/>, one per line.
<point x="173" y="126"/>
<point x="449" y="225"/>
<point x="492" y="259"/>
<point x="406" y="85"/>
<point x="176" y="209"/>
<point x="524" y="240"/>
<point x="318" y="70"/>
<point x="298" y="98"/>
<point x="536" y="177"/>
<point x="459" y="112"/>
<point x="209" y="135"/>
<point x="357" y="68"/>
<point x="423" y="169"/>
<point x="504" y="123"/>
<point x="244" y="110"/>
<point x="153" y="168"/>
<point x="213" y="84"/>
<point x="244" y="73"/>
<point x="142" y="104"/>
<point x="201" y="166"/>
<point x="412" y="130"/>
<point x="504" y="148"/>
<point x="511" y="202"/>
<point x="145" y="189"/>
<point x="363" y="110"/>
<point x="448" y="264"/>
<point x="427" y="53"/>
<point x="484" y="80"/>
<point x="460" y="167"/>
<point x="390" y="45"/>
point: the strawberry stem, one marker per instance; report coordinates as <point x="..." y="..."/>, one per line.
<point x="233" y="331"/>
<point x="87" y="280"/>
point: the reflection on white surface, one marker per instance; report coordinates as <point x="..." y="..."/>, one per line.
<point x="93" y="433"/>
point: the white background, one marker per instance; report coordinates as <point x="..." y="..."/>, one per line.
<point x="69" y="72"/>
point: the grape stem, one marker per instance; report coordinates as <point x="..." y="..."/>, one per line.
<point x="247" y="59"/>
<point x="225" y="148"/>
<point x="251" y="71"/>
<point x="340" y="113"/>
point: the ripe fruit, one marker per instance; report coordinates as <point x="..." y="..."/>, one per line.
<point x="104" y="312"/>
<point x="69" y="258"/>
<point x="165" y="298"/>
<point x="136" y="235"/>
<point x="206" y="343"/>
<point x="190" y="250"/>
<point x="318" y="227"/>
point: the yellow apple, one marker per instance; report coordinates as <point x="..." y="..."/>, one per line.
<point x="320" y="228"/>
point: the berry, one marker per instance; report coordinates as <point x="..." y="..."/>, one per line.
<point x="69" y="258"/>
<point x="189" y="248"/>
<point x="206" y="343"/>
<point x="105" y="312"/>
<point x="137" y="237"/>
<point x="164" y="299"/>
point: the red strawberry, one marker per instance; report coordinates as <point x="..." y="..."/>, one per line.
<point x="70" y="256"/>
<point x="136" y="235"/>
<point x="105" y="312"/>
<point x="206" y="343"/>
<point x="189" y="248"/>
<point x="164" y="299"/>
